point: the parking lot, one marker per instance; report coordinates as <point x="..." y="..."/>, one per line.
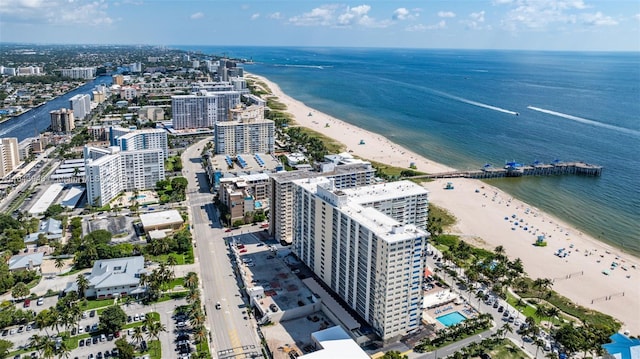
<point x="91" y="344"/>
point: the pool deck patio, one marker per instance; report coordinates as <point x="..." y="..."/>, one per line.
<point x="430" y="315"/>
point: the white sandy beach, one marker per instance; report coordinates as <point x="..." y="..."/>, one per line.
<point x="481" y="221"/>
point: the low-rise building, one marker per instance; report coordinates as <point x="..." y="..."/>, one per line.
<point x="115" y="277"/>
<point x="167" y="221"/>
<point x="333" y="343"/>
<point x="26" y="262"/>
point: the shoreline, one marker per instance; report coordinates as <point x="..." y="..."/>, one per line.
<point x="481" y="209"/>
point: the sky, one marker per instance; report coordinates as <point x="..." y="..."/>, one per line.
<point x="558" y="25"/>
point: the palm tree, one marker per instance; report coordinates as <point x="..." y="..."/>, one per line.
<point x="499" y="251"/>
<point x="138" y="334"/>
<point x="552" y="313"/>
<point x="172" y="261"/>
<point x="59" y="263"/>
<point x="191" y="280"/>
<point x="538" y="343"/>
<point x="197" y="319"/>
<point x="83" y="284"/>
<point x="193" y="296"/>
<point x="155" y="329"/>
<point x="63" y="350"/>
<point x="37" y="341"/>
<point x="506" y="329"/>
<point x="542" y="284"/>
<point x="200" y="335"/>
<point x="541" y="311"/>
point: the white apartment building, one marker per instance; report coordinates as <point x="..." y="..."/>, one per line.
<point x="81" y="105"/>
<point x="281" y="187"/>
<point x="202" y="110"/>
<point x="145" y="139"/>
<point x="247" y="135"/>
<point x="373" y="260"/>
<point x="142" y="168"/>
<point x="9" y="155"/>
<point x="62" y="120"/>
<point x="109" y="171"/>
<point x="86" y="73"/>
<point x="104" y="175"/>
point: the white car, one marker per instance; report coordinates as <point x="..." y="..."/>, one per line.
<point x="80" y="330"/>
<point x="136" y="318"/>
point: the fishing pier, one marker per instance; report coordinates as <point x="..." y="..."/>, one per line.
<point x="513" y="169"/>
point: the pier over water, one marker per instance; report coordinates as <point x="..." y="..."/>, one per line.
<point x="513" y="169"/>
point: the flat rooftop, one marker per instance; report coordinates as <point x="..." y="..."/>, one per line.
<point x="269" y="162"/>
<point x="47" y="198"/>
<point x="152" y="219"/>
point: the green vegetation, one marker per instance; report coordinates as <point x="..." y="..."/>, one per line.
<point x="498" y="348"/>
<point x="173" y="163"/>
<point x="95" y="304"/>
<point x="112" y="319"/>
<point x="455" y="333"/>
<point x="394" y="354"/>
<point x="172" y="190"/>
<point x="527" y="288"/>
<point x="173" y="250"/>
<point x="12" y="315"/>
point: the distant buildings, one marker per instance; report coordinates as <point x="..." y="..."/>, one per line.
<point x="62" y="120"/>
<point x="85" y="73"/>
<point x="202" y="110"/>
<point x="281" y="187"/>
<point x="29" y="71"/>
<point x="117" y="80"/>
<point x="247" y="132"/>
<point x="81" y="106"/>
<point x="161" y="224"/>
<point x="367" y="245"/>
<point x="9" y="155"/>
<point x="135" y="161"/>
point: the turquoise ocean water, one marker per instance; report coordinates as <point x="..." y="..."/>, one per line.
<point x="457" y="107"/>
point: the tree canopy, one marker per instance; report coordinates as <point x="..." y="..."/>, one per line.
<point x="113" y="319"/>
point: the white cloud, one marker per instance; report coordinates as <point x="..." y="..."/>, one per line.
<point x="446" y="14"/>
<point x="421" y="27"/>
<point x="598" y="19"/>
<point x="416" y="28"/>
<point x="401" y="14"/>
<point x="320" y="16"/>
<point x="637" y="16"/>
<point x="539" y="14"/>
<point x="475" y="21"/>
<point x="255" y="16"/>
<point x="338" y="16"/>
<point x="275" y="16"/>
<point x="56" y="11"/>
<point x="196" y="16"/>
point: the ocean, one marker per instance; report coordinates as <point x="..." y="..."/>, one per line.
<point x="458" y="107"/>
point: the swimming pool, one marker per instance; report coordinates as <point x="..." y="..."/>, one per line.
<point x="450" y="319"/>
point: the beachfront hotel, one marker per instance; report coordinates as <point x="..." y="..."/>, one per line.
<point x="281" y="192"/>
<point x="247" y="132"/>
<point x="367" y="245"/>
<point x="203" y="109"/>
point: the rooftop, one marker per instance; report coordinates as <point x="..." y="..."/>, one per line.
<point x="26" y="261"/>
<point x="116" y="272"/>
<point x="159" y="218"/>
<point x="335" y="343"/>
<point x="47" y="199"/>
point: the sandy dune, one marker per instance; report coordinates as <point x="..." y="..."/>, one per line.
<point x="481" y="221"/>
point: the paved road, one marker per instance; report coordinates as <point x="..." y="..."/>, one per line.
<point x="232" y="335"/>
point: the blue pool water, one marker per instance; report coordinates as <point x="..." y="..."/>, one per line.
<point x="258" y="204"/>
<point x="451" y="319"/>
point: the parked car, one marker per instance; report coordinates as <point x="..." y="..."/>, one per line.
<point x="27" y="303"/>
<point x="92" y="313"/>
<point x="81" y="343"/>
<point x="40" y="301"/>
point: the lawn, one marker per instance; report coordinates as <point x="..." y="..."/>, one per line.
<point x="181" y="259"/>
<point x="97" y="303"/>
<point x="507" y="350"/>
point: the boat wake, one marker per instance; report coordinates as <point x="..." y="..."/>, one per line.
<point x="586" y="121"/>
<point x="476" y="103"/>
<point x="319" y="67"/>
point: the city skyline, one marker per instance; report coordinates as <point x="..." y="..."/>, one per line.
<point x="497" y="24"/>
